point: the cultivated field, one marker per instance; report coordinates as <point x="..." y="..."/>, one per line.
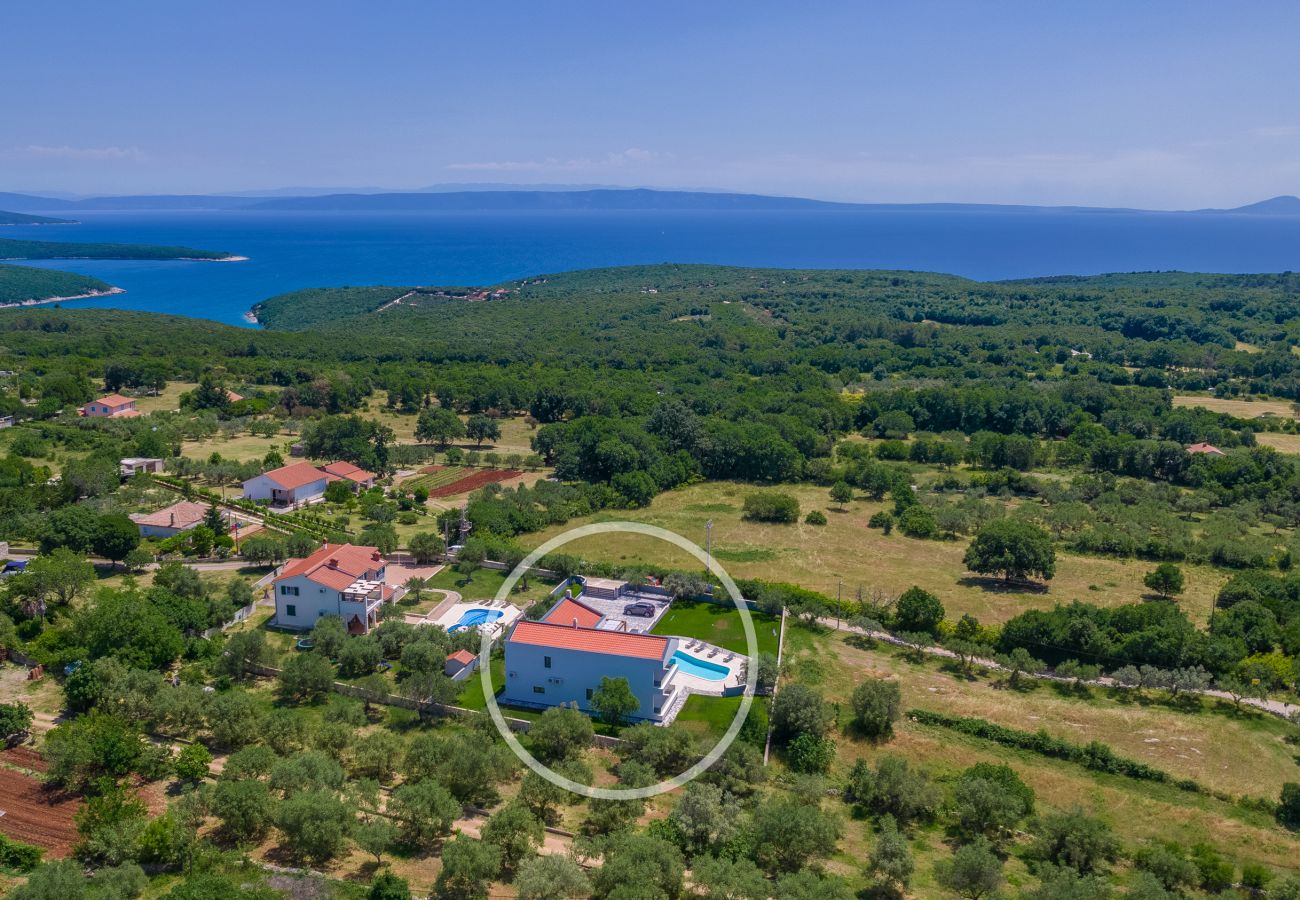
<point x="36" y="816"/>
<point x="846" y="556"/>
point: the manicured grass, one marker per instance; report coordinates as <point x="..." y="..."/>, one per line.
<point x="483" y="586"/>
<point x="708" y="718"/>
<point x="471" y="692"/>
<point x="847" y="556"/>
<point x="718" y="624"/>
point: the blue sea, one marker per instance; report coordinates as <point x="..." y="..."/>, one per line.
<point x="291" y="250"/>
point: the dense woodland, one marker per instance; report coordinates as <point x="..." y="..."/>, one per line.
<point x="24" y="284"/>
<point x="16" y="249"/>
<point x="1028" y="418"/>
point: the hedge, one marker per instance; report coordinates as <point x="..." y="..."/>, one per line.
<point x="1093" y="755"/>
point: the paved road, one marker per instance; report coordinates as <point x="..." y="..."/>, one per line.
<point x="1276" y="707"/>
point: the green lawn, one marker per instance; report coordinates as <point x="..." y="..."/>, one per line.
<point x="471" y="693"/>
<point x="707" y="718"/>
<point x="718" y="625"/>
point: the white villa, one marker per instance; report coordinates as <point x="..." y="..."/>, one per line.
<point x="300" y="483"/>
<point x="337" y="580"/>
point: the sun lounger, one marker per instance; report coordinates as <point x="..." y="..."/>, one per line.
<point x="713" y="653"/>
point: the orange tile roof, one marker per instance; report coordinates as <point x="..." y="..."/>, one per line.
<point x="295" y="475"/>
<point x="348" y="471"/>
<point x="334" y="565"/>
<point x="115" y="400"/>
<point x="178" y="515"/>
<point x="1205" y="448"/>
<point x="589" y="640"/>
<point x="564" y="612"/>
<point x="464" y="657"/>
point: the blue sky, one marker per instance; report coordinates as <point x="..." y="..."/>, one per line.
<point x="1159" y="104"/>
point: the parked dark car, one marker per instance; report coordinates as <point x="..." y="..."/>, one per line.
<point x="646" y="610"/>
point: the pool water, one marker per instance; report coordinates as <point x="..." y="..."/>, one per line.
<point x="700" y="668"/>
<point x="474" y="617"/>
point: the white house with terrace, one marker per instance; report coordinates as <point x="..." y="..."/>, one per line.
<point x="300" y="483"/>
<point x="337" y="580"/>
<point x="561" y="659"/>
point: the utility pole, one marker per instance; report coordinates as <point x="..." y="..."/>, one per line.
<point x="708" y="544"/>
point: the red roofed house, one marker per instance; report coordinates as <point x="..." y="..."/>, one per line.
<point x="291" y="485"/>
<point x="360" y="478"/>
<point x="562" y="658"/>
<point x="1206" y="448"/>
<point x="337" y="580"/>
<point x="114" y="406"/>
<point x="170" y="520"/>
<point x="300" y="483"/>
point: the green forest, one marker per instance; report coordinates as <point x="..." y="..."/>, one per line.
<point x="17" y="218"/>
<point x="15" y="249"/>
<point x="24" y="284"/>
<point x="976" y="440"/>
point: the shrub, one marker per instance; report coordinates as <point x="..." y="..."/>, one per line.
<point x="876" y="704"/>
<point x="810" y="753"/>
<point x="771" y="506"/>
<point x="816" y="517"/>
<point x="918" y="610"/>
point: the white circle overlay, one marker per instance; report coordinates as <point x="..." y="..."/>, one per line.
<point x="751" y="670"/>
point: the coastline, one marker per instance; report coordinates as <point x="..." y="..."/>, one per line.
<point x="251" y="318"/>
<point x="87" y="296"/>
<point x="127" y="258"/>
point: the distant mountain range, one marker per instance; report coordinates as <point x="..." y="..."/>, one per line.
<point x="495" y="197"/>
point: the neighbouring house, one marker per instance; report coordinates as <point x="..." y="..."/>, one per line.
<point x="233" y="397"/>
<point x="562" y="658"/>
<point x="460" y="665"/>
<point x="337" y="580"/>
<point x="299" y="483"/>
<point x="298" y="449"/>
<point x="6" y="421"/>
<point x="1205" y="448"/>
<point x="291" y="485"/>
<point x="360" y="479"/>
<point x="170" y="520"/>
<point x="114" y="406"/>
<point x="134" y="465"/>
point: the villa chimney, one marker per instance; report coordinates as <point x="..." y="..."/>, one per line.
<point x="575" y="621"/>
<point x="333" y="563"/>
<point x="171" y="520"/>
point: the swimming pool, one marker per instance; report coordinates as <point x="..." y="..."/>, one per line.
<point x="473" y="617"/>
<point x="700" y="668"/>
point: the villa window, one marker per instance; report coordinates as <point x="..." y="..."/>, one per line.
<point x="546" y="662"/>
<point x="288" y="591"/>
<point x="538" y="689"/>
<point x="290" y="610"/>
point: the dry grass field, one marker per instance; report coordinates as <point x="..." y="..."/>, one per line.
<point x="1283" y="443"/>
<point x="169" y="399"/>
<point x="1243" y="409"/>
<point x="1240" y="755"/>
<point x="846" y="555"/>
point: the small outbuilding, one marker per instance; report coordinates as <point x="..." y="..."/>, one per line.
<point x="460" y="665"/>
<point x="170" y="520"/>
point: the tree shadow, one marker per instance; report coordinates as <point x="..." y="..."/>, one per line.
<point x="1001" y="585"/>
